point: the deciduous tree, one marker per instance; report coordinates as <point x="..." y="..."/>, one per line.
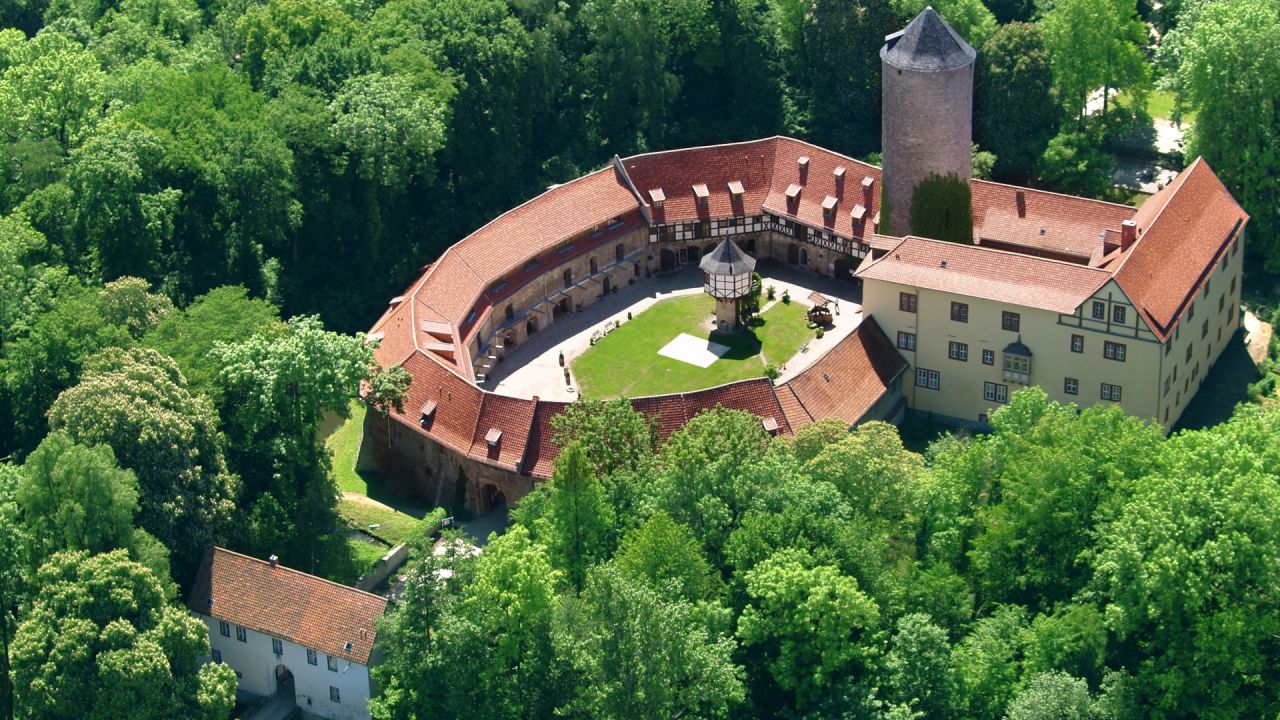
<point x="100" y="642"/>
<point x="1015" y="110"/>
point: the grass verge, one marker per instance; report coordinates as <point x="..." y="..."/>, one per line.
<point x="395" y="517"/>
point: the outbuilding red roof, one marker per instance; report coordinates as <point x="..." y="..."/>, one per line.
<point x="288" y="604"/>
<point x="845" y="382"/>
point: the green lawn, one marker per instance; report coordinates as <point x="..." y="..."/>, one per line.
<point x="626" y="361"/>
<point x="1160" y="105"/>
<point x="395" y="516"/>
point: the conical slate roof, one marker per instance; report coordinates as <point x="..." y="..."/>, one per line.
<point x="927" y="43"/>
<point x="727" y="259"/>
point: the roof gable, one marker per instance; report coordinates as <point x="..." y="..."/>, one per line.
<point x="1187" y="232"/>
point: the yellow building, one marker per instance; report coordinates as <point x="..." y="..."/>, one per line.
<point x="1093" y="302"/>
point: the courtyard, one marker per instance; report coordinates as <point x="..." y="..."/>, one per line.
<point x="614" y="347"/>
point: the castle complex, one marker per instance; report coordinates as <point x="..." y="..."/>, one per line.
<point x="1092" y="301"/>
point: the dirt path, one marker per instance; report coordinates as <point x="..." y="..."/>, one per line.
<point x="1257" y="337"/>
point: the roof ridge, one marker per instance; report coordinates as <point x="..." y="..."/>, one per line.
<point x="1181" y="179"/>
<point x="672" y="151"/>
<point x="258" y="561"/>
<point x="1052" y="192"/>
<point x="984" y="248"/>
<point x="701" y="390"/>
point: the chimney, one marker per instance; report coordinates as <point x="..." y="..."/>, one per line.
<point x="803" y="163"/>
<point x="274" y="560"/>
<point x="1022" y="204"/>
<point x="1128" y="233"/>
<point x="868" y="189"/>
<point x="839" y="178"/>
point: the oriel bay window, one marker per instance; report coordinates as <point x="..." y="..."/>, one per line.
<point x="1017" y="362"/>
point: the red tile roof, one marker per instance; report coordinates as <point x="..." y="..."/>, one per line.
<point x="671" y="412"/>
<point x="513" y="418"/>
<point x="458" y="403"/>
<point x="846" y="381"/>
<point x="677" y="171"/>
<point x="1071" y="225"/>
<point x="292" y="605"/>
<point x="1180" y="239"/>
<point x="541" y="454"/>
<point x="819" y="181"/>
<point x="989" y="274"/>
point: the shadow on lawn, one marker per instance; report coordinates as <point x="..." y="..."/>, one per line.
<point x="742" y="343"/>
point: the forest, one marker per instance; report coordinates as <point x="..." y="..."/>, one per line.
<point x="201" y="201"/>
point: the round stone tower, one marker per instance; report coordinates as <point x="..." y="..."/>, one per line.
<point x="926" y="124"/>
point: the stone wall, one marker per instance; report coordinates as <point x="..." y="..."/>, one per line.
<point x="418" y="467"/>
<point x="926" y="128"/>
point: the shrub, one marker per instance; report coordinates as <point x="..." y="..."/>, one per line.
<point x="786" y="297"/>
<point x="771" y="292"/>
<point x="819" y="333"/>
<point x="771" y="371"/>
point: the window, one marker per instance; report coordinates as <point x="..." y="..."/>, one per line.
<point x="958" y="351"/>
<point x="1071" y="386"/>
<point x="1191" y="311"/>
<point x="1099" y="310"/>
<point x="1010" y="321"/>
<point x="1207" y="283"/>
<point x="224" y="628"/>
<point x="1189" y="346"/>
<point x="1166" y="415"/>
<point x="334" y="695"/>
<point x="312" y="658"/>
<point x="1168" y="345"/>
<point x="1222" y="302"/>
<point x="277" y="646"/>
<point x="930" y="379"/>
<point x="240" y="634"/>
<point x="1204" y="330"/>
<point x="992" y="392"/>
<point x="1017" y="367"/>
<point x="1233" y="285"/>
<point x="1231" y="314"/>
<point x="333" y="663"/>
<point x="907" y="302"/>
<point x="1117" y="314"/>
<point x="1114" y="351"/>
<point x="988" y="357"/>
<point x="568" y="278"/>
<point x="1168" y="382"/>
<point x="1111" y="392"/>
<point x="510" y="313"/>
<point x="702" y="229"/>
<point x="906" y="340"/>
<point x="1077" y="343"/>
<point x="217" y="655"/>
<point x="960" y="312"/>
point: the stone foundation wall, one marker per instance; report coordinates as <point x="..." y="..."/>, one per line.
<point x="417" y="467"/>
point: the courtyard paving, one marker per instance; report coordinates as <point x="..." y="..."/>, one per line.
<point x="533" y="367"/>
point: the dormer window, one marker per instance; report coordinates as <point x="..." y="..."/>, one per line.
<point x="701" y="192"/>
<point x="493" y="437"/>
<point x="829" y="204"/>
<point x="428" y="412"/>
<point x="793" y="191"/>
<point x="657" y="196"/>
<point x="735" y="188"/>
